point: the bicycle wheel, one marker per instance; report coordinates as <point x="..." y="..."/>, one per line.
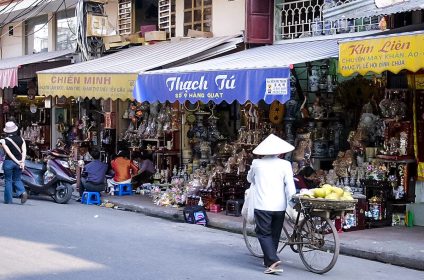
<point x="320" y="244"/>
<point x="252" y="242"/>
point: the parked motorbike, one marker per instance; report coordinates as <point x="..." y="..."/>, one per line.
<point x="52" y="177"/>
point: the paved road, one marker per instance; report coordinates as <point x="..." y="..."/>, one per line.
<point x="43" y="240"/>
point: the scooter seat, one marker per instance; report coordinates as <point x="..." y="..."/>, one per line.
<point x="42" y="167"/>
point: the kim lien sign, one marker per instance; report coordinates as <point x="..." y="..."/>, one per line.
<point x="229" y="85"/>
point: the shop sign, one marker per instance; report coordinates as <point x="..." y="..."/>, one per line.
<point x="384" y="54"/>
<point x="114" y="86"/>
<point x="229" y="85"/>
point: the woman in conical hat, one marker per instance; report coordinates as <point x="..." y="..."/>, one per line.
<point x="274" y="187"/>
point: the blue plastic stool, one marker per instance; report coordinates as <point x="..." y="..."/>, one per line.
<point x="91" y="198"/>
<point x="123" y="189"/>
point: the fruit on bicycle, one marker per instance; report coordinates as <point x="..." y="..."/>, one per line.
<point x="319" y="192"/>
<point x="328" y="191"/>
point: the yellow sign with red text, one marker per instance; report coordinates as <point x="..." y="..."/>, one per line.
<point x="384" y="54"/>
<point x="113" y="86"/>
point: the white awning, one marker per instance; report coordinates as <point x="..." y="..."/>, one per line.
<point x="367" y="8"/>
<point x="113" y="76"/>
<point x="25" y="9"/>
<point x="9" y="66"/>
<point x="274" y="56"/>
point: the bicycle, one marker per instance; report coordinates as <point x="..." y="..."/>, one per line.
<point x="311" y="233"/>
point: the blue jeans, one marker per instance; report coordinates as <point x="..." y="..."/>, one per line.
<point x="12" y="178"/>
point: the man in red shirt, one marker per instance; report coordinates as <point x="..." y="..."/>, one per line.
<point x="123" y="168"/>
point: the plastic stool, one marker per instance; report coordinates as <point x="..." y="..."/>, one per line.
<point x="91" y="198"/>
<point x="123" y="189"/>
<point x="233" y="207"/>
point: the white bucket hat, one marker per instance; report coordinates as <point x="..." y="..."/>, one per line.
<point x="273" y="145"/>
<point x="10" y="127"/>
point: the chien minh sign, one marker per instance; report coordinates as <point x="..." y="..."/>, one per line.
<point x="393" y="54"/>
<point x="114" y="86"/>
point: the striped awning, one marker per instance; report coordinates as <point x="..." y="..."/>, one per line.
<point x="9" y="66"/>
<point x="14" y="11"/>
<point x="113" y="76"/>
<point x="254" y="74"/>
<point x="354" y="9"/>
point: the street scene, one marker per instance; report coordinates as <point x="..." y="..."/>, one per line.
<point x="43" y="240"/>
<point x="204" y="139"/>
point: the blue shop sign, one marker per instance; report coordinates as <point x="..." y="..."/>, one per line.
<point x="227" y="85"/>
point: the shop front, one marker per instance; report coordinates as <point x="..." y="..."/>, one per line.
<point x="228" y="106"/>
<point x="20" y="100"/>
<point x="387" y="141"/>
<point x="92" y="99"/>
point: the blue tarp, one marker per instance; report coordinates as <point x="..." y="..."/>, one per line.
<point x="242" y="85"/>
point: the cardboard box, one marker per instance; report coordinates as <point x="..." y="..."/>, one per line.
<point x="116" y="45"/>
<point x="146" y="28"/>
<point x="112" y="39"/>
<point x="155" y="36"/>
<point x="96" y="25"/>
<point x="199" y="34"/>
<point x="134" y="38"/>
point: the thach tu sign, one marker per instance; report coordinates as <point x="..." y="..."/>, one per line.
<point x="227" y="85"/>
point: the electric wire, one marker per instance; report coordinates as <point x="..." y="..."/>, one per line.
<point x="30" y="14"/>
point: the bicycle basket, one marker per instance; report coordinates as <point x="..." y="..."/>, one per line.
<point x="325" y="204"/>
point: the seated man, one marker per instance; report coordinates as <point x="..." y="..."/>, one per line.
<point x="123" y="168"/>
<point x="146" y="171"/>
<point x="94" y="171"/>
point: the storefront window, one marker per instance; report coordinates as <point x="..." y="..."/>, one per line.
<point x="37" y="35"/>
<point x="197" y="15"/>
<point x="65" y="30"/>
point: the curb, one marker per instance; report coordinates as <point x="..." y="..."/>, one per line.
<point x="383" y="257"/>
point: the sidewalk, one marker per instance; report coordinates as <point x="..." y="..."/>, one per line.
<point x="395" y="245"/>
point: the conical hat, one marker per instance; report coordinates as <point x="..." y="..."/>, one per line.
<point x="273" y="145"/>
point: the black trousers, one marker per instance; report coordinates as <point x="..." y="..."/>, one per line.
<point x="91" y="187"/>
<point x="269" y="225"/>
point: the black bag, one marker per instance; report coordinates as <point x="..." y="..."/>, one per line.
<point x="195" y="215"/>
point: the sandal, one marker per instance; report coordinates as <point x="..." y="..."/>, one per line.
<point x="274" y="268"/>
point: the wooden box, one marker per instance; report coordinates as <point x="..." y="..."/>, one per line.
<point x="155" y="36"/>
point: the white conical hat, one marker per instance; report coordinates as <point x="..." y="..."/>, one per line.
<point x="273" y="145"/>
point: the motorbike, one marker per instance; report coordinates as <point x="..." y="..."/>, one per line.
<point x="52" y="177"/>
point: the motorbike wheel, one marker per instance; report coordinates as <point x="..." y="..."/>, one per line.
<point x="63" y="195"/>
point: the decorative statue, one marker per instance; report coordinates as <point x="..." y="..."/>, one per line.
<point x="343" y="163"/>
<point x="303" y="150"/>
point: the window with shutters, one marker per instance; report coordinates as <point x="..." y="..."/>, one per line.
<point x="166" y="17"/>
<point x="125" y="17"/>
<point x="197" y="15"/>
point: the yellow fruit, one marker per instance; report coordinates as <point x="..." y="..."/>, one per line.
<point x="338" y="191"/>
<point x="319" y="192"/>
<point x="332" y="196"/>
<point x="326" y="186"/>
<point x="347" y="196"/>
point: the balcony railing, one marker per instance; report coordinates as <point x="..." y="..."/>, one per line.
<point x="304" y="18"/>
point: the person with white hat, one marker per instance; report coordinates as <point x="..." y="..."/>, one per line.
<point x="274" y="187"/>
<point x="15" y="149"/>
